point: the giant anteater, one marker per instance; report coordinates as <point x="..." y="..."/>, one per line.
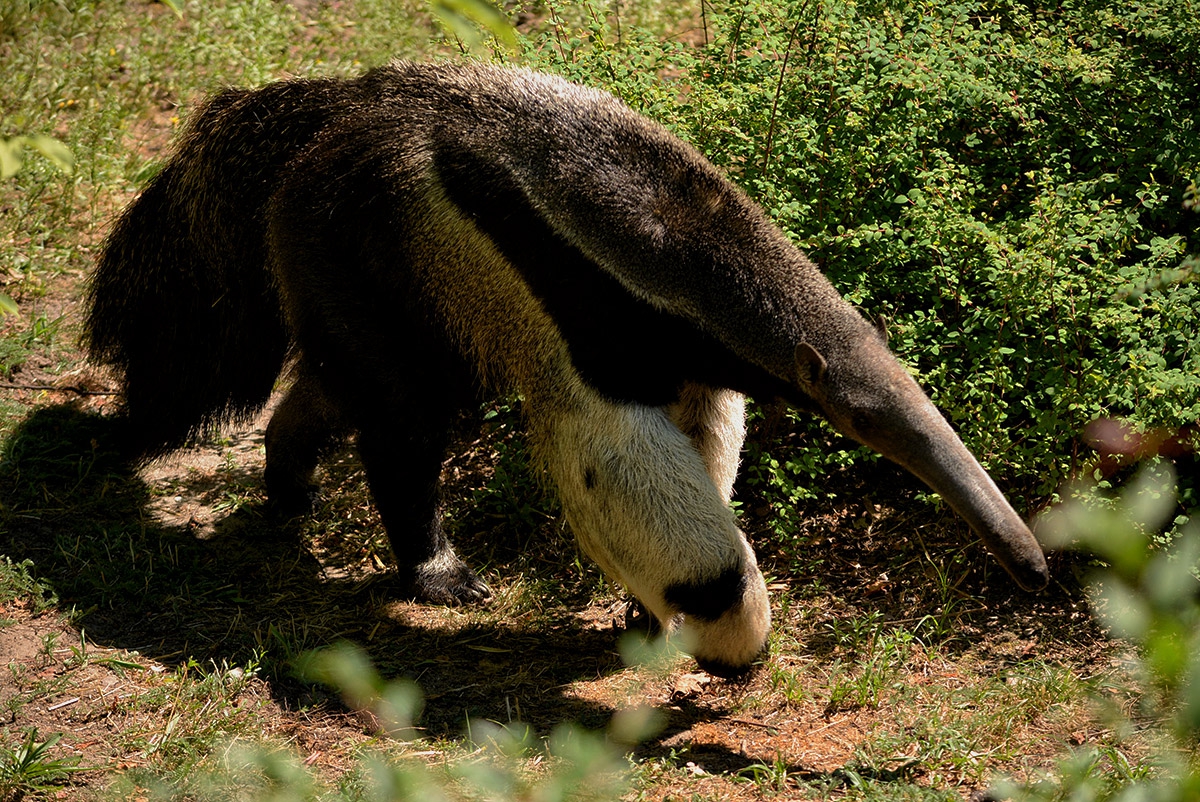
<point x="412" y="237"/>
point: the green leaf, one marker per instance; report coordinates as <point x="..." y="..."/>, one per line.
<point x="7" y="305"/>
<point x="10" y="156"/>
<point x="58" y="153"/>
<point x="465" y="18"/>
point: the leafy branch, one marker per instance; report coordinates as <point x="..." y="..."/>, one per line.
<point x="12" y="156"/>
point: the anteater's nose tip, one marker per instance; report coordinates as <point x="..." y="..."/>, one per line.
<point x="1034" y="575"/>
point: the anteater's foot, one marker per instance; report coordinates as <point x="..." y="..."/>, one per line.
<point x="639" y="619"/>
<point x="446" y="579"/>
<point x="285" y="502"/>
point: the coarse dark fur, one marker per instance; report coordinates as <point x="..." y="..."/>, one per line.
<point x="424" y="234"/>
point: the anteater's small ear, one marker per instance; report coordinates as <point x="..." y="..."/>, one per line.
<point x="881" y="326"/>
<point x="810" y="367"/>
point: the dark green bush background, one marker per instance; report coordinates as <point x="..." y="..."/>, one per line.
<point x="1005" y="182"/>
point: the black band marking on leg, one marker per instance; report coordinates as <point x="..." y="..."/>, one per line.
<point x="708" y="599"/>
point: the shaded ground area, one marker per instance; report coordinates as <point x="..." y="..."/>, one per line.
<point x="180" y="566"/>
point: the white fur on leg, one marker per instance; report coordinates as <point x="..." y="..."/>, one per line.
<point x="731" y="643"/>
<point x="715" y="419"/>
<point x="643" y="504"/>
<point x="647" y="501"/>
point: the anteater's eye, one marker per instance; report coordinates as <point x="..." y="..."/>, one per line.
<point x="862" y="423"/>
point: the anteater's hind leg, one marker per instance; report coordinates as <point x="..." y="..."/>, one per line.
<point x="403" y="400"/>
<point x="402" y="452"/>
<point x="370" y="338"/>
<point x="304" y="426"/>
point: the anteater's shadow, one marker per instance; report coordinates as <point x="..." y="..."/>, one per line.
<point x="250" y="590"/>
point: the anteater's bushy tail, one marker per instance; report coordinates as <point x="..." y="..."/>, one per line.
<point x="182" y="304"/>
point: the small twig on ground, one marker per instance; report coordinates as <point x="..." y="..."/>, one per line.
<point x="66" y="703"/>
<point x="753" y="723"/>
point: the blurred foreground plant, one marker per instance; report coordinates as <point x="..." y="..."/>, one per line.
<point x="500" y="762"/>
<point x="1149" y="598"/>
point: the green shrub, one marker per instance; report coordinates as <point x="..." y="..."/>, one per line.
<point x="1003" y="181"/>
